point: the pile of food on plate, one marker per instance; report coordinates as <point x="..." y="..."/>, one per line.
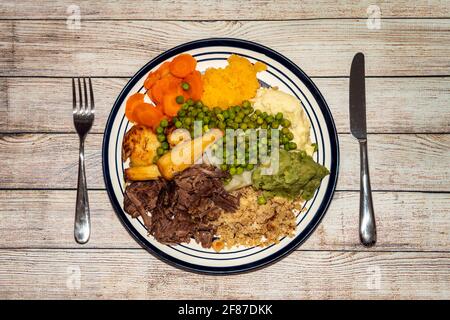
<point x="215" y="157"/>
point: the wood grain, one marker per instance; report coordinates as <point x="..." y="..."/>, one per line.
<point x="414" y="110"/>
<point x="126" y="274"/>
<point x="219" y="10"/>
<point x="397" y="162"/>
<point x="406" y="221"/>
<point x="320" y="47"/>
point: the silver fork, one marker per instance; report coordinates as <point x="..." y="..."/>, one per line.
<point x="83" y="117"/>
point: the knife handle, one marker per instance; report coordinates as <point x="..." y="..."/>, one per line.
<point x="367" y="228"/>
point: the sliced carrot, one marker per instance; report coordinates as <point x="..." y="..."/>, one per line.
<point x="182" y="65"/>
<point x="131" y="104"/>
<point x="164" y="69"/>
<point x="154" y="76"/>
<point x="158" y="91"/>
<point x="151" y="79"/>
<point x="171" y="107"/>
<point x="194" y="80"/>
<point x="149" y="94"/>
<point x="167" y="84"/>
<point x="148" y="115"/>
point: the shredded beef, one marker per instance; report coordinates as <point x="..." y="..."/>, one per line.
<point x="181" y="209"/>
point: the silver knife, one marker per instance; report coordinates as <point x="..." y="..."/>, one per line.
<point x="367" y="228"/>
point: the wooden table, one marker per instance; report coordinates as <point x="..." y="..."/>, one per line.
<point x="408" y="100"/>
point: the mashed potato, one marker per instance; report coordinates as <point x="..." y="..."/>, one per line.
<point x="272" y="101"/>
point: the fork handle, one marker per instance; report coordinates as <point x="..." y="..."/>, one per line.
<point x="82" y="216"/>
<point x="367" y="228"/>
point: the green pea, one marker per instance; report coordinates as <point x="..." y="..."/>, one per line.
<point x="213" y="124"/>
<point x="238" y="120"/>
<point x="182" y="113"/>
<point x="262" y="200"/>
<point x="279" y="116"/>
<point x="250" y="167"/>
<point x="244" y="126"/>
<point x="160" y="151"/>
<point x="260" y="121"/>
<point x="189" y="101"/>
<point x="224" y="167"/>
<point x="269" y="119"/>
<point x="231" y="114"/>
<point x="275" y="124"/>
<point x="185" y="106"/>
<point x="199" y="104"/>
<point x="187" y="121"/>
<point x="159" y="130"/>
<point x="226" y="114"/>
<point x="206" y="120"/>
<point x="236" y="109"/>
<point x="264" y="115"/>
<point x="258" y="112"/>
<point x="217" y="110"/>
<point x="161" y="137"/>
<point x="251" y="125"/>
<point x="254" y="117"/>
<point x="185" y="86"/>
<point x="165" y="145"/>
<point x="200" y="115"/>
<point x="246" y="104"/>
<point x="286" y="123"/>
<point x="239" y="170"/>
<point x="292" y="145"/>
<point x="179" y="99"/>
<point x="178" y="124"/>
<point x="235" y="126"/>
<point x="164" y="123"/>
<point x="205" y="128"/>
<point x="264" y="125"/>
<point x="285" y="131"/>
<point x="240" y="114"/>
<point x="232" y="170"/>
<point x="290" y="135"/>
<point x="220" y="117"/>
<point x="221" y="126"/>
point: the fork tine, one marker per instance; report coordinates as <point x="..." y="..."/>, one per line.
<point x="91" y="92"/>
<point x="86" y="101"/>
<point x="81" y="109"/>
<point x="74" y="94"/>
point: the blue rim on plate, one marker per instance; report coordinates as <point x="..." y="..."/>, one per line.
<point x="333" y="156"/>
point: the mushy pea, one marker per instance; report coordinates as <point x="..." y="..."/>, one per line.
<point x="298" y="175"/>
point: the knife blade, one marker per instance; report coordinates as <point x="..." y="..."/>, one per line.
<point x="358" y="98"/>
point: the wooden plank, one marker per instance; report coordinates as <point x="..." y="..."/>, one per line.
<point x="220" y="10"/>
<point x="127" y="274"/>
<point x="321" y="47"/>
<point x="397" y="162"/>
<point x="406" y="105"/>
<point x="44" y="219"/>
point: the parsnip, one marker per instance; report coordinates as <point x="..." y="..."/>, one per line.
<point x="150" y="172"/>
<point x="186" y="154"/>
<point x="178" y="136"/>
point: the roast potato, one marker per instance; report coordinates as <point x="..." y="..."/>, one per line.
<point x="139" y="145"/>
